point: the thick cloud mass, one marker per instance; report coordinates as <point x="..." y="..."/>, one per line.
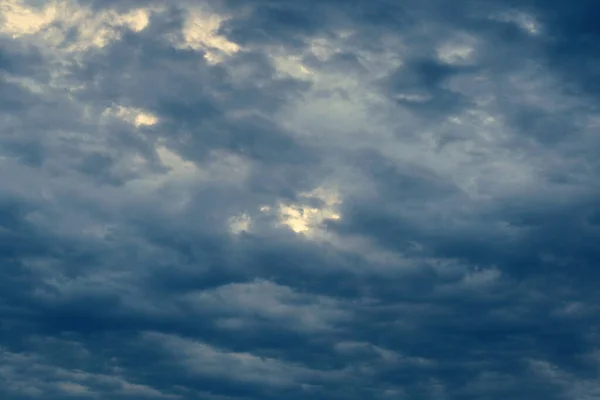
<point x="267" y="199"/>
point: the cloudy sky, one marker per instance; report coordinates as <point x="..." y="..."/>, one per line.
<point x="316" y="199"/>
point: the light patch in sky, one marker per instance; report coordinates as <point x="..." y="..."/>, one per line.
<point x="178" y="171"/>
<point x="18" y="19"/>
<point x="239" y="223"/>
<point x="412" y="98"/>
<point x="26" y="83"/>
<point x="135" y="116"/>
<point x="64" y="30"/>
<point x="306" y="219"/>
<point x="455" y="53"/>
<point x="179" y="168"/>
<point x="345" y="104"/>
<point x="200" y="32"/>
<point x="137" y="20"/>
<point x="523" y="20"/>
<point x="291" y="65"/>
<point x="221" y="167"/>
<point x="53" y="22"/>
<point x="323" y="49"/>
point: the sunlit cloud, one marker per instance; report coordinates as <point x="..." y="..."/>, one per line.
<point x="52" y="22"/>
<point x="135" y="116"/>
<point x="306" y="219"/>
<point x="19" y="19"/>
<point x="200" y="32"/>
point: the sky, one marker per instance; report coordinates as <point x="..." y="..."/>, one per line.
<point x="316" y="199"/>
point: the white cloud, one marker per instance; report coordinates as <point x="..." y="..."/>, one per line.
<point x="50" y="23"/>
<point x="200" y="32"/>
<point x="20" y="19"/>
<point x="50" y="27"/>
<point x="461" y="50"/>
<point x="306" y="219"/>
<point x="134" y="116"/>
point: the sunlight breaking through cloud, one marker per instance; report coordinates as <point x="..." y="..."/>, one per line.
<point x="52" y="23"/>
<point x="200" y="32"/>
<point x="305" y="218"/>
<point x="135" y="116"/>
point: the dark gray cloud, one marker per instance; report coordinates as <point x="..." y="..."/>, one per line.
<point x="324" y="199"/>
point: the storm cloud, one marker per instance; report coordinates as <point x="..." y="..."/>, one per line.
<point x="306" y="200"/>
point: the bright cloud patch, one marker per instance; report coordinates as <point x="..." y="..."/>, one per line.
<point x="200" y="33"/>
<point x="456" y="52"/>
<point x="135" y="116"/>
<point x="306" y="219"/>
<point x="19" y="19"/>
<point x="52" y="21"/>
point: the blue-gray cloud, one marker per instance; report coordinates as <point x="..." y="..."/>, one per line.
<point x="319" y="199"/>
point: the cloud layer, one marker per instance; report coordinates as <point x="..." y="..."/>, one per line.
<point x="304" y="200"/>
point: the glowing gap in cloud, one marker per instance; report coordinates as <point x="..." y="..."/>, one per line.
<point x="200" y="32"/>
<point x="134" y="116"/>
<point x="307" y="219"/>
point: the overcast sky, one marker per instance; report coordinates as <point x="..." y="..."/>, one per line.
<point x="312" y="199"/>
